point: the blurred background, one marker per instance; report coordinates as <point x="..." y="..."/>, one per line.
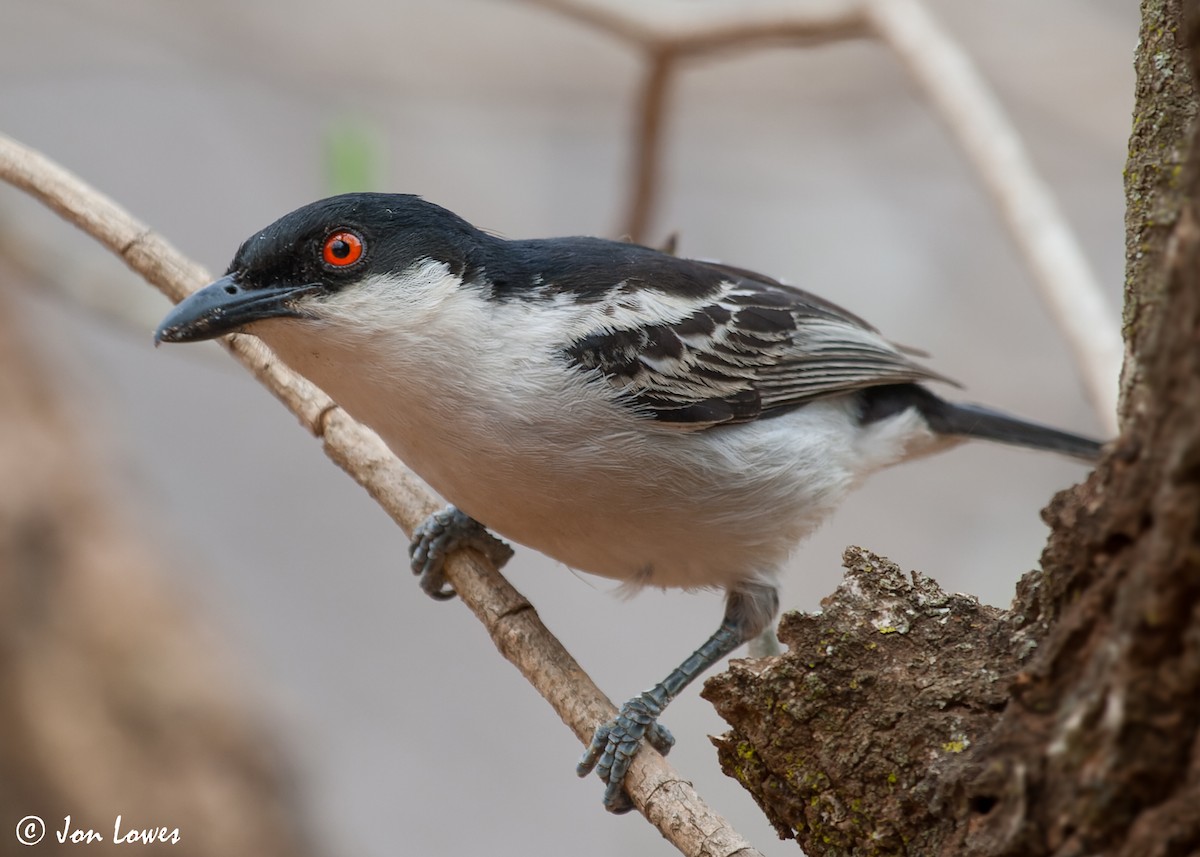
<point x="250" y="594"/>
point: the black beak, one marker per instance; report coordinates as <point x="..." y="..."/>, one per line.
<point x="225" y="306"/>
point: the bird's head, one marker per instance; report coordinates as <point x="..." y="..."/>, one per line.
<point x="316" y="260"/>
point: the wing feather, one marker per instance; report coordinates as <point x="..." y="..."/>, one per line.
<point x="751" y="348"/>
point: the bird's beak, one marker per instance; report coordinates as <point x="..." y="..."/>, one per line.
<point x="225" y="306"/>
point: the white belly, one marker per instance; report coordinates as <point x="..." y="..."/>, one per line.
<point x="522" y="449"/>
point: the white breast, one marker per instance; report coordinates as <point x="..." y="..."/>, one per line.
<point x="469" y="394"/>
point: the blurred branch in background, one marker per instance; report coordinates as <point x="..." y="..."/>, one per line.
<point x="666" y="33"/>
<point x="669" y="33"/>
<point x="973" y="114"/>
<point x="667" y="800"/>
<point x="115" y="700"/>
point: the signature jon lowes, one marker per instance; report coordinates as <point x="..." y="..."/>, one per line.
<point x="122" y="834"/>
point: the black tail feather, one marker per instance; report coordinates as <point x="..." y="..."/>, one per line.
<point x="964" y="420"/>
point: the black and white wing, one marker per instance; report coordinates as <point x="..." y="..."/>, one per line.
<point x="745" y="348"/>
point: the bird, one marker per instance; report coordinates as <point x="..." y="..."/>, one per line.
<point x="661" y="421"/>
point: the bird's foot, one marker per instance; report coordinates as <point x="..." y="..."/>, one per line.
<point x="616" y="743"/>
<point x="440" y="535"/>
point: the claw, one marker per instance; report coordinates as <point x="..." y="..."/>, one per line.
<point x="441" y="534"/>
<point x="660" y="738"/>
<point x="616" y="742"/>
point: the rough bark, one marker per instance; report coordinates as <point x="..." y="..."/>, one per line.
<point x="1164" y="109"/>
<point x="844" y="739"/>
<point x="113" y="700"/>
<point x="903" y="721"/>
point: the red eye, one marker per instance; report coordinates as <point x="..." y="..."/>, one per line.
<point x="342" y="248"/>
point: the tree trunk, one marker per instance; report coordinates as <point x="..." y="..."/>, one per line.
<point x="905" y="721"/>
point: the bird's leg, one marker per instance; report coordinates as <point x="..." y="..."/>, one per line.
<point x="749" y="608"/>
<point x="441" y="534"/>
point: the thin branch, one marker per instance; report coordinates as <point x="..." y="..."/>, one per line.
<point x="686" y="27"/>
<point x="1072" y="294"/>
<point x="664" y="798"/>
<point x="647" y="164"/>
<point x="667" y="33"/>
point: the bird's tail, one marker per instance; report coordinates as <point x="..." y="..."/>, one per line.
<point x="978" y="421"/>
<point x="963" y="420"/>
